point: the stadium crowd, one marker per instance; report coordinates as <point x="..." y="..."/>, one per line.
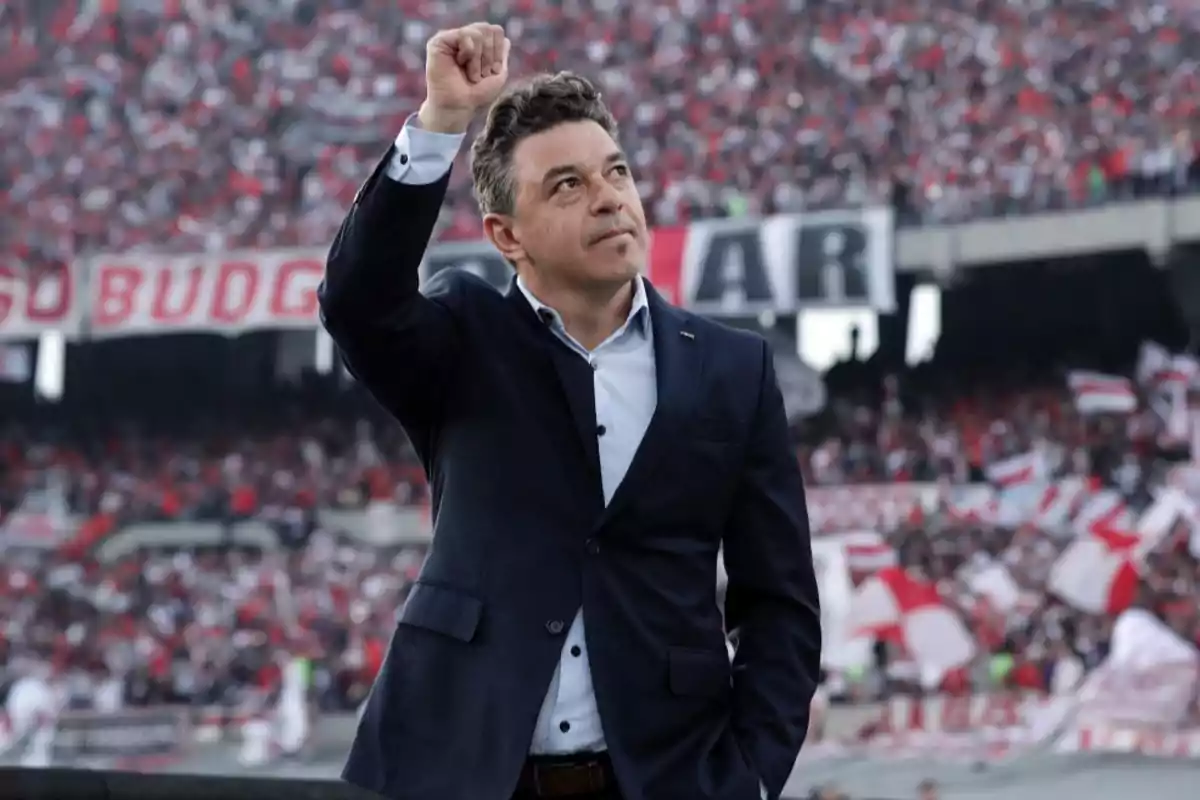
<point x="214" y="125"/>
<point x="1041" y="643"/>
<point x="208" y="629"/>
<point x="207" y="626"/>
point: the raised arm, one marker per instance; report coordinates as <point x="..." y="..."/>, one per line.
<point x="401" y="342"/>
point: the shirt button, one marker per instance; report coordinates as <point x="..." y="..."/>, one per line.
<point x="564" y="726"/>
<point x="594" y="365"/>
<point x="601" y="430"/>
<point x="554" y="627"/>
<point x="575" y="651"/>
<point x="593" y="547"/>
<point x="404" y="158"/>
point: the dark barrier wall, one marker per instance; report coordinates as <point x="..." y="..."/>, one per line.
<point x="84" y="784"/>
<point x="80" y="784"/>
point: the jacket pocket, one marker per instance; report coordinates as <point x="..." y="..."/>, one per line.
<point x="443" y="610"/>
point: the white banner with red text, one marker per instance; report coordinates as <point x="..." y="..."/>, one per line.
<point x="718" y="267"/>
<point x="37" y="301"/>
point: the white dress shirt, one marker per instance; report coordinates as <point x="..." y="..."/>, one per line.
<point x="422" y="157"/>
<point x="626" y="394"/>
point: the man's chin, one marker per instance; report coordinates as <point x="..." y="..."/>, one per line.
<point x="614" y="271"/>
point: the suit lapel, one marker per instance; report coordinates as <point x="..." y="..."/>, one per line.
<point x="678" y="364"/>
<point x="573" y="374"/>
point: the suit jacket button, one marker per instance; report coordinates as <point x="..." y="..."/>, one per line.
<point x="593" y="547"/>
<point x="554" y="627"/>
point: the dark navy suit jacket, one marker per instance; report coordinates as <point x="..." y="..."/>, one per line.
<point x="502" y="415"/>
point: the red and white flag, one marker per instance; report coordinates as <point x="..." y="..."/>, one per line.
<point x="1167" y="379"/>
<point x="1097" y="573"/>
<point x="1100" y="571"/>
<point x="993" y="582"/>
<point x="1170" y="507"/>
<point x="1059" y="503"/>
<point x="973" y="504"/>
<point x="1028" y="467"/>
<point x="1101" y="511"/>
<point x="1097" y="393"/>
<point x="1148" y="681"/>
<point x="1157" y="366"/>
<point x="867" y="552"/>
<point x="894" y="605"/>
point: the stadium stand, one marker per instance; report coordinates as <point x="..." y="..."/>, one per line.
<point x="217" y="126"/>
<point x="184" y="521"/>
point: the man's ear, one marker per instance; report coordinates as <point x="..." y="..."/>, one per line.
<point x="499" y="230"/>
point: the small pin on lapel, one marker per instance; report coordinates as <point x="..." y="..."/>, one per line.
<point x="687" y="334"/>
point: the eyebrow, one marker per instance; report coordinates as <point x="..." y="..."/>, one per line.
<point x="616" y="157"/>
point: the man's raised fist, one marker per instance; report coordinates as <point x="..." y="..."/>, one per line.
<point x="465" y="70"/>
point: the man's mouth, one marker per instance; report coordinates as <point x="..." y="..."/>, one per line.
<point x="613" y="234"/>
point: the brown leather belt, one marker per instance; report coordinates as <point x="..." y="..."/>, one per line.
<point x="566" y="776"/>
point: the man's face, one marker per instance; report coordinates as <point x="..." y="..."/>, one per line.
<point x="577" y="219"/>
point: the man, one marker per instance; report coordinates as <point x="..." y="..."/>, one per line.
<point x="32" y="708"/>
<point x="589" y="448"/>
<point x="295" y="710"/>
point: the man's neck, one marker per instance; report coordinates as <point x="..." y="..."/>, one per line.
<point x="589" y="317"/>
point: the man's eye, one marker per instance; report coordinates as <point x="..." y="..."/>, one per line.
<point x="622" y="170"/>
<point x="567" y="183"/>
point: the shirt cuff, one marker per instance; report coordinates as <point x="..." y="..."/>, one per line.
<point x="422" y="157"/>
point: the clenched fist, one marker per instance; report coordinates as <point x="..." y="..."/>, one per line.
<point x="465" y="70"/>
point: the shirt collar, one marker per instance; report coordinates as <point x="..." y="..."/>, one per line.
<point x="639" y="310"/>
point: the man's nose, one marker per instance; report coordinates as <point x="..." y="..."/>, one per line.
<point x="606" y="199"/>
